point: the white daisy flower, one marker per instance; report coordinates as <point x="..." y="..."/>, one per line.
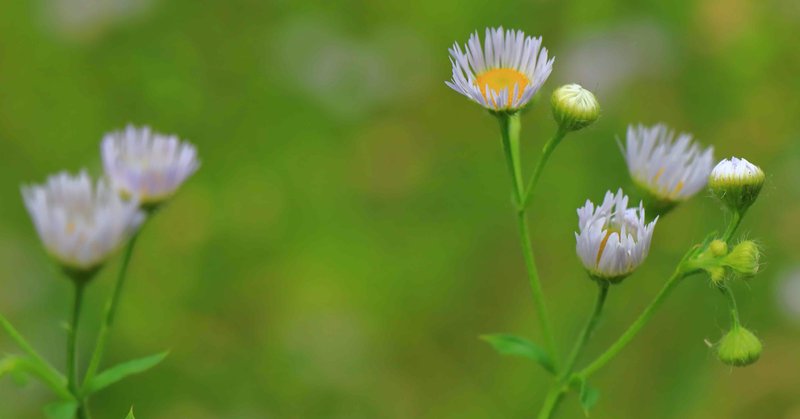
<point x="670" y="169"/>
<point x="504" y="73"/>
<point x="147" y="165"/>
<point x="613" y="239"/>
<point x="736" y="182"/>
<point x="80" y="224"/>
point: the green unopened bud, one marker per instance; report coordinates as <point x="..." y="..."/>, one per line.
<point x="736" y="182"/>
<point x="739" y="347"/>
<point x="718" y="248"/>
<point x="574" y="107"/>
<point x="744" y="258"/>
<point x="717" y="273"/>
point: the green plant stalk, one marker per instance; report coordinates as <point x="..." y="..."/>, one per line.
<point x="72" y="343"/>
<point x="49" y="375"/>
<point x="548" y="149"/>
<point x="509" y="129"/>
<point x="561" y="386"/>
<point x="734" y="310"/>
<point x="680" y="273"/>
<point x="733" y="224"/>
<point x="110" y="313"/>
<point x="637" y="325"/>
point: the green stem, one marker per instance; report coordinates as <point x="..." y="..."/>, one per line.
<point x="560" y="388"/>
<point x="509" y="129"/>
<point x="536" y="288"/>
<point x="734" y="310"/>
<point x="587" y="330"/>
<point x="110" y="313"/>
<point x="72" y="343"/>
<point x="733" y="224"/>
<point x="49" y="375"/>
<point x="548" y="149"/>
<point x="629" y="334"/>
<point x="552" y="400"/>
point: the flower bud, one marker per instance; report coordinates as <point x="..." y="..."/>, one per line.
<point x="574" y="107"/>
<point x="736" y="182"/>
<point x="743" y="259"/>
<point x="739" y="347"/>
<point x="718" y="248"/>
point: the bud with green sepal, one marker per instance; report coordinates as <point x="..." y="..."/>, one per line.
<point x="744" y="258"/>
<point x="737" y="183"/>
<point x="574" y="107"/>
<point x="717" y="260"/>
<point x="739" y="347"/>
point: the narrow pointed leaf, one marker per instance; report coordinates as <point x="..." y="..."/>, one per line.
<point x="130" y="414"/>
<point x="61" y="410"/>
<point x="20" y="368"/>
<point x="125" y="369"/>
<point x="589" y="397"/>
<point x="515" y="345"/>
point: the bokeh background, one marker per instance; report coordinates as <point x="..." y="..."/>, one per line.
<point x="350" y="233"/>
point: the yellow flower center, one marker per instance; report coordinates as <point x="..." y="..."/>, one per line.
<point x="498" y="79"/>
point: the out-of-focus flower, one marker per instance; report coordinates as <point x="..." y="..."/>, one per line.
<point x="613" y="239"/>
<point x="85" y="20"/>
<point x="736" y="182"/>
<point x="670" y="170"/>
<point x="147" y="165"/>
<point x="80" y="224"/>
<point x="574" y="107"/>
<point x="504" y="73"/>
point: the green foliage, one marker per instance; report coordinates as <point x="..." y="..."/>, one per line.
<point x="125" y="369"/>
<point x="61" y="410"/>
<point x="588" y="397"/>
<point x="130" y="414"/>
<point x="517" y="346"/>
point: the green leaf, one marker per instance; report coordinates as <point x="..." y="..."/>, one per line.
<point x="61" y="410"/>
<point x="515" y="345"/>
<point x="589" y="397"/>
<point x="130" y="414"/>
<point x="120" y="371"/>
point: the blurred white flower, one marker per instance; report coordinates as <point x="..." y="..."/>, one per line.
<point x="80" y="224"/>
<point x="787" y="293"/>
<point x="82" y="20"/>
<point x="504" y="73"/>
<point x="669" y="169"/>
<point x="346" y="75"/>
<point x="613" y="239"/>
<point x="621" y="55"/>
<point x="147" y="165"/>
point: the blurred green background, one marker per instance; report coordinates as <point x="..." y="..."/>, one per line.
<point x="350" y="232"/>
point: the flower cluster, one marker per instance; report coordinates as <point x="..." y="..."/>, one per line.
<point x="613" y="239"/>
<point x="82" y="222"/>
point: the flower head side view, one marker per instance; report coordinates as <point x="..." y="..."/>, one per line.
<point x="613" y="239"/>
<point x="82" y="223"/>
